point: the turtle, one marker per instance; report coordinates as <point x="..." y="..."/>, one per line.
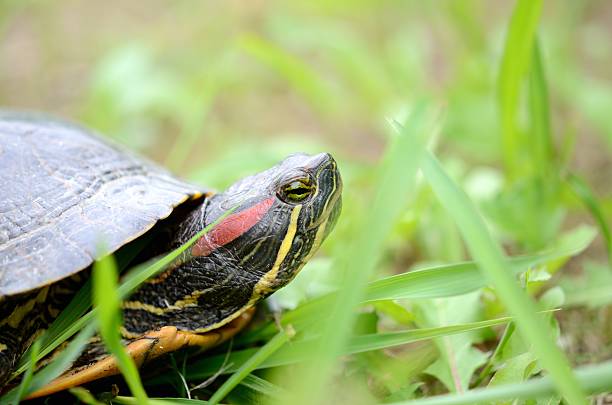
<point x="65" y="191"/>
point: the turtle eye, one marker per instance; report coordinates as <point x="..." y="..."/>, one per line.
<point x="296" y="191"/>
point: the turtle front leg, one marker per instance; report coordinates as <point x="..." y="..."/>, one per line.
<point x="148" y="347"/>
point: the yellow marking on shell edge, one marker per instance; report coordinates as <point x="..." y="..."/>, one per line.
<point x="263" y="285"/>
<point x="196" y="195"/>
<point x="15" y="318"/>
<point x="3" y="347"/>
<point x="54" y="312"/>
<point x="199" y="194"/>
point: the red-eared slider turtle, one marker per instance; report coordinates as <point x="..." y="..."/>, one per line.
<point x="64" y="191"/>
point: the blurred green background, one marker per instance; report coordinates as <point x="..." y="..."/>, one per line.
<point x="245" y="78"/>
<point x="216" y="90"/>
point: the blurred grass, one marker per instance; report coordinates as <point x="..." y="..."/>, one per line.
<point x="217" y="92"/>
<point x="253" y="362"/>
<point x="491" y="261"/>
<point x="514" y="66"/>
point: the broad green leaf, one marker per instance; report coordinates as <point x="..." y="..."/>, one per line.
<point x="461" y="278"/>
<point x="514" y="370"/>
<point x="458" y="357"/>
<point x="398" y="371"/>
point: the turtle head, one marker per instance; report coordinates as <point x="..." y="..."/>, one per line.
<point x="280" y="217"/>
<point x="277" y="220"/>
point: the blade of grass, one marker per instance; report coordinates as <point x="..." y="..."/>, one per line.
<point x="197" y="102"/>
<point x="301" y="350"/>
<point x="80" y="303"/>
<point x="514" y="65"/>
<point x="108" y="303"/>
<point x="75" y="309"/>
<point x="158" y="401"/>
<point x="85" y="396"/>
<point x="461" y="278"/>
<point x="251" y="364"/>
<point x="262" y="386"/>
<point x="142" y="272"/>
<point x="541" y="138"/>
<point x="586" y="195"/>
<point x="593" y="379"/>
<point x="494" y="267"/>
<point x="27" y="377"/>
<point x="395" y="185"/>
<point x="76" y="326"/>
<point x="300" y="75"/>
<point x="57" y="366"/>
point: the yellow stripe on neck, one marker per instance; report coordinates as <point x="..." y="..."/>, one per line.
<point x="265" y="284"/>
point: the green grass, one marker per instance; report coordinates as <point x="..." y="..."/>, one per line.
<point x="107" y="301"/>
<point x="466" y="242"/>
<point x="515" y="65"/>
<point x="492" y="263"/>
<point x="251" y="364"/>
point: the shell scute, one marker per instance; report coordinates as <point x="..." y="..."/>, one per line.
<point x="65" y="192"/>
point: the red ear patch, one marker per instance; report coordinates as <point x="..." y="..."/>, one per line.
<point x="231" y="227"/>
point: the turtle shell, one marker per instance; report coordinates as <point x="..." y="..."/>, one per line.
<point x="64" y="193"/>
